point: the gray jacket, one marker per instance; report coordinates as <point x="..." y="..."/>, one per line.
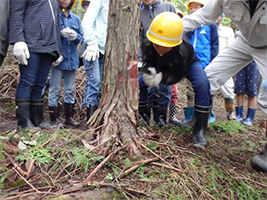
<point x="253" y="30"/>
<point x="147" y="14"/>
<point x="35" y="22"/>
<point x="4" y="10"/>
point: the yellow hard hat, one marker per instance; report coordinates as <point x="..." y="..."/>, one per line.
<point x="202" y="2"/>
<point x="166" y="30"/>
<point x="81" y="1"/>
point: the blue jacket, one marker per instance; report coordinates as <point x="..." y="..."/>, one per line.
<point x="36" y="23"/>
<point x="205" y="41"/>
<point x="69" y="48"/>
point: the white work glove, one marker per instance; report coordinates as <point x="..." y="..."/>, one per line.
<point x="91" y="52"/>
<point x="139" y="64"/>
<point x="153" y="78"/>
<point x="21" y="52"/>
<point x="67" y="32"/>
<point x="58" y="61"/>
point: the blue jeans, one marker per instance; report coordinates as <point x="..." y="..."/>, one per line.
<point x="160" y="96"/>
<point x="156" y="96"/>
<point x="201" y="85"/>
<point x="33" y="76"/>
<point x="56" y="76"/>
<point x="94" y="75"/>
<point x="200" y="82"/>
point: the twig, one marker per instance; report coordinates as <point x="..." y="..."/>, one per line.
<point x="168" y="167"/>
<point x="39" y="192"/>
<point x="135" y="166"/>
<point x="151" y="151"/>
<point x="89" y="178"/>
<point x="30" y="167"/>
<point x="16" y="166"/>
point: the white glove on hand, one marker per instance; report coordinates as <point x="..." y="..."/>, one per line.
<point x="139" y="64"/>
<point x="21" y="52"/>
<point x="91" y="52"/>
<point x="67" y="32"/>
<point x="58" y="61"/>
<point x="153" y="78"/>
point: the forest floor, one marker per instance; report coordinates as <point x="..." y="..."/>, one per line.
<point x="51" y="164"/>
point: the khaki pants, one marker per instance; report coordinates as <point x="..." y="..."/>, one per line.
<point x="231" y="60"/>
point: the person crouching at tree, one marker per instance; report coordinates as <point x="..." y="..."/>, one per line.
<point x="34" y="31"/>
<point x="65" y="67"/>
<point x="170" y="58"/>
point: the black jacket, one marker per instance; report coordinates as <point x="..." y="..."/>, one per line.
<point x="174" y="64"/>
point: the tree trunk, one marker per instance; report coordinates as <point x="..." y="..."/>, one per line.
<point x="116" y="119"/>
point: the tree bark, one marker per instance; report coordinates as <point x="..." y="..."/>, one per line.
<point x="117" y="116"/>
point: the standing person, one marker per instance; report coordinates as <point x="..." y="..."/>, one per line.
<point x="94" y="26"/>
<point x="85" y="4"/>
<point x="71" y="36"/>
<point x="4" y="10"/>
<point x="158" y="97"/>
<point x="205" y="41"/>
<point x="34" y="31"/>
<point x="226" y="36"/>
<point x="169" y="59"/>
<point x="250" y="43"/>
<point x="260" y="161"/>
<point x="246" y="82"/>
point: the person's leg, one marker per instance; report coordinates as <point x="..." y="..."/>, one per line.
<point x="173" y="105"/>
<point x="252" y="81"/>
<point x="42" y="73"/>
<point x="1" y="59"/>
<point x="37" y="106"/>
<point x="54" y="86"/>
<point x="228" y="62"/>
<point x="189" y="110"/>
<point x="240" y="90"/>
<point x="92" y="93"/>
<point x="160" y="116"/>
<point x="227" y="91"/>
<point x="144" y="108"/>
<point x="203" y="102"/>
<point x="53" y="95"/>
<point x="260" y="161"/>
<point x="69" y="99"/>
<point x="28" y="76"/>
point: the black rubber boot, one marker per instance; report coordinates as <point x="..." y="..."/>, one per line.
<point x="200" y="127"/>
<point x="144" y="111"/>
<point x="54" y="116"/>
<point x="91" y="110"/>
<point x="37" y="114"/>
<point x="23" y="114"/>
<point x="69" y="112"/>
<point x="160" y="115"/>
<point x="259" y="162"/>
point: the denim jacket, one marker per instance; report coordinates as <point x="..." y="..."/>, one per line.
<point x="69" y="48"/>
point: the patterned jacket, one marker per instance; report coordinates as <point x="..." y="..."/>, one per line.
<point x="35" y="22"/>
